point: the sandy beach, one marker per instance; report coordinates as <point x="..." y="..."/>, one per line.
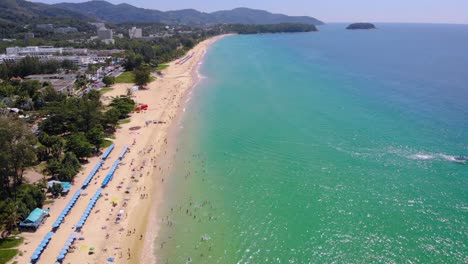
<point x="117" y="226"/>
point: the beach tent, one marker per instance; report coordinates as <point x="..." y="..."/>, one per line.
<point x="34" y="219"/>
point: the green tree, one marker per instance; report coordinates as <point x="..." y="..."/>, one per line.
<point x="69" y="65"/>
<point x="142" y="76"/>
<point x="54" y="144"/>
<point x="95" y="136"/>
<point x="56" y="189"/>
<point x="17" y="153"/>
<point x="125" y="105"/>
<point x="11" y="217"/>
<point x="111" y="117"/>
<point x="108" y="80"/>
<point x="71" y="160"/>
<point x="133" y="61"/>
<point x="53" y="167"/>
<point x="79" y="145"/>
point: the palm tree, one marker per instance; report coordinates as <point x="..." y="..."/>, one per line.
<point x="11" y="218"/>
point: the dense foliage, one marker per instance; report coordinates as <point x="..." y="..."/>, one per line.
<point x="32" y="65"/>
<point x="275" y="28"/>
<point x="142" y="76"/>
<point x="16" y="198"/>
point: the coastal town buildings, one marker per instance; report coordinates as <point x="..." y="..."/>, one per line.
<point x="62" y="83"/>
<point x="104" y="34"/>
<point x="135" y="33"/>
<point x="80" y="57"/>
<point x="65" y="30"/>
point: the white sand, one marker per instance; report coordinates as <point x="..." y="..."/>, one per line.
<point x="142" y="170"/>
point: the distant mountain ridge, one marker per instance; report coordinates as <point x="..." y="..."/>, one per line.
<point x="127" y="13"/>
<point x="19" y="11"/>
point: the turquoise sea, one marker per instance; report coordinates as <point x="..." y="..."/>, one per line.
<point x="328" y="147"/>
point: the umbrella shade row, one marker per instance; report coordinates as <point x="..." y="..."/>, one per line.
<point x="88" y="209"/>
<point x="67" y="245"/>
<point x="91" y="175"/>
<point x="42" y="246"/>
<point x="124" y="151"/>
<point x="108" y="152"/>
<point x="110" y="175"/>
<point x="67" y="209"/>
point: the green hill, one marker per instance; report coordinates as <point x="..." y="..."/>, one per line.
<point x="128" y="13"/>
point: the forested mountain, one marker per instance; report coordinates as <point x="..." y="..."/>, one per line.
<point x="19" y="16"/>
<point x="127" y="13"/>
<point x="20" y="11"/>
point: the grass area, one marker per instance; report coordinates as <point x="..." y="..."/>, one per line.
<point x="46" y="202"/>
<point x="125" y="77"/>
<point x="10" y="242"/>
<point x="7" y="254"/>
<point x="124" y="121"/>
<point x="40" y="167"/>
<point x="105" y="90"/>
<point x="162" y="67"/>
<point x="106" y="144"/>
<point x="7" y="248"/>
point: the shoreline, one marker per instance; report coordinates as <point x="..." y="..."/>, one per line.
<point x="152" y="227"/>
<point x="152" y="223"/>
<point x="138" y="188"/>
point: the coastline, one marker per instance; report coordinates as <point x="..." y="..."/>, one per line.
<point x="152" y="223"/>
<point x="138" y="187"/>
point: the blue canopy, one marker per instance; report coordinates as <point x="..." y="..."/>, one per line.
<point x="107" y="152"/>
<point x="122" y="154"/>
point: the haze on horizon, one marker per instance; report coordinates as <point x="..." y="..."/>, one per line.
<point x="402" y="11"/>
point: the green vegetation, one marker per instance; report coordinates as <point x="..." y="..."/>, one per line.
<point x="7" y="254"/>
<point x="10" y="242"/>
<point x="124" y="121"/>
<point x="8" y="248"/>
<point x="118" y="14"/>
<point x="106" y="143"/>
<point x="129" y="77"/>
<point x="17" y="153"/>
<point x="125" y="77"/>
<point x="108" y="80"/>
<point x="274" y="28"/>
<point x="162" y="67"/>
<point x="142" y="76"/>
<point x="75" y="129"/>
<point x="31" y="65"/>
<point x="105" y="90"/>
<point x="56" y="189"/>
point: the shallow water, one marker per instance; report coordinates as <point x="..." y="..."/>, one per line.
<point x="327" y="147"/>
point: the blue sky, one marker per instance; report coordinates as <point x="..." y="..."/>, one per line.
<point x="424" y="11"/>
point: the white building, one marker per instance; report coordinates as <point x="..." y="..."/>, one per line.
<point x="105" y="34"/>
<point x="135" y="33"/>
<point x="33" y="50"/>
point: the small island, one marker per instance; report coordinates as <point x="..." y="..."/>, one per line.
<point x="361" y="26"/>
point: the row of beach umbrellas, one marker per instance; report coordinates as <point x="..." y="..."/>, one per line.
<point x="67" y="209"/>
<point x="110" y="175"/>
<point x="98" y="166"/>
<point x="107" y="152"/>
<point x="67" y="245"/>
<point x="124" y="151"/>
<point x="91" y="174"/>
<point x="45" y="241"/>
<point x="88" y="209"/>
<point x="43" y="245"/>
